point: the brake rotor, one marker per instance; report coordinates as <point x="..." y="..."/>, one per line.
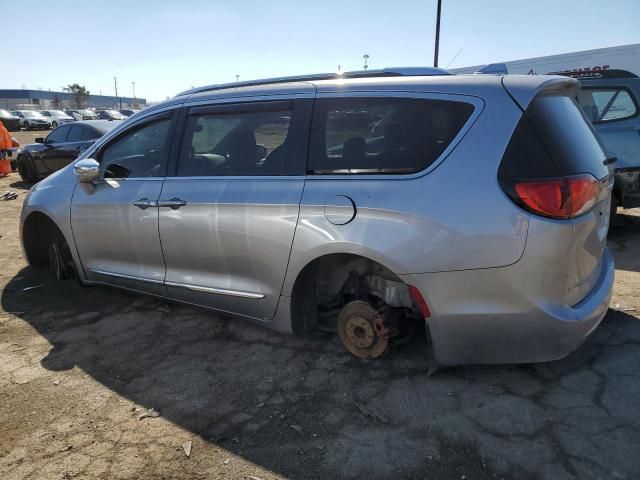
<point x="356" y="329"/>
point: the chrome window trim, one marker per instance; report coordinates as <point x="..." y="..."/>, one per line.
<point x="220" y="291"/>
<point x="127" y="277"/>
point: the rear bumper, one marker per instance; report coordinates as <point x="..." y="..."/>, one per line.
<point x="478" y="317"/>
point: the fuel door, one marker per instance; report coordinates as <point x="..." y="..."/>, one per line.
<point x="340" y="210"/>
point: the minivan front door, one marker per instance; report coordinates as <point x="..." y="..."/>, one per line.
<point x="115" y="221"/>
<point x="228" y="216"/>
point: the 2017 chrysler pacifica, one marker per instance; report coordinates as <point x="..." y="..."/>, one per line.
<point x="476" y="204"/>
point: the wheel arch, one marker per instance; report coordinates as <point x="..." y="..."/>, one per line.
<point x="37" y="230"/>
<point x="303" y="305"/>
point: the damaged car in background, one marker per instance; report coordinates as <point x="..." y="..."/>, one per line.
<point x="371" y="204"/>
<point x="611" y="100"/>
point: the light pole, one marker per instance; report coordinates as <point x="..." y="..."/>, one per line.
<point x="437" y="47"/>
<point x="237" y="78"/>
<point x="366" y="59"/>
<point x="115" y="84"/>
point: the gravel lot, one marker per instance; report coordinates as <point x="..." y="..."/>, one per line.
<point x="80" y="366"/>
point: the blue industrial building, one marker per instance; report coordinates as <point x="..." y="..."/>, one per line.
<point x="46" y="99"/>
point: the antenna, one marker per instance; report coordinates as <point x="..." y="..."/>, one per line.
<point x="454" y="57"/>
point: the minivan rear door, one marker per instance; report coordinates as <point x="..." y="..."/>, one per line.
<point x="570" y="148"/>
<point x="229" y="211"/>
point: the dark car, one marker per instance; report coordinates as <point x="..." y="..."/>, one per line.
<point x="61" y="147"/>
<point x="128" y="112"/>
<point x="110" y="115"/>
<point x="11" y="122"/>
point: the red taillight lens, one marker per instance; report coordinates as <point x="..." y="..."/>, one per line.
<point x="565" y="197"/>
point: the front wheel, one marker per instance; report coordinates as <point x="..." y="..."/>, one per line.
<point x="59" y="259"/>
<point x="613" y="212"/>
<point x="54" y="125"/>
<point x="25" y="171"/>
<point x="26" y="126"/>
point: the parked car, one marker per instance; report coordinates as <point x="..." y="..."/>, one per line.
<point x="32" y="120"/>
<point x="611" y="100"/>
<point x="57" y="117"/>
<point x="110" y="115"/>
<point x="128" y="112"/>
<point x="61" y="147"/>
<point x="83" y="114"/>
<point x="481" y="210"/>
<point x="11" y="122"/>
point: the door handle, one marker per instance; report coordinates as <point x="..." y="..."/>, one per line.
<point x="144" y="203"/>
<point x="173" y="203"/>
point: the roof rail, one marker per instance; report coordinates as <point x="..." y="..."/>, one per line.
<point x="593" y="74"/>
<point x="385" y="72"/>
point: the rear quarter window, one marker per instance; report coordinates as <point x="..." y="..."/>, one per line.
<point x="382" y="135"/>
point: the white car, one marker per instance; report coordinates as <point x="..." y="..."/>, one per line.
<point x="31" y="120"/>
<point x="57" y="117"/>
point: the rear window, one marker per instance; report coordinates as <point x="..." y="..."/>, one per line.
<point x="382" y="135"/>
<point x="607" y="104"/>
<point x="568" y="136"/>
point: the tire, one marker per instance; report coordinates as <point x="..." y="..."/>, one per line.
<point x="54" y="125"/>
<point x="58" y="258"/>
<point x="613" y="212"/>
<point x="26" y="126"/>
<point x="25" y="171"/>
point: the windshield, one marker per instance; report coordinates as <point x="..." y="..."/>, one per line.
<point x="115" y="114"/>
<point x="85" y="112"/>
<point x="57" y="113"/>
<point x="32" y="114"/>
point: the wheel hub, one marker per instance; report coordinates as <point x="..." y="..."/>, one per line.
<point x="356" y="330"/>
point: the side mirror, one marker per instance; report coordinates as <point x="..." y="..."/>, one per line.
<point x="39" y="140"/>
<point x="87" y="170"/>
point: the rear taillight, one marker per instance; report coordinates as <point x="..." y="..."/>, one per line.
<point x="564" y="197"/>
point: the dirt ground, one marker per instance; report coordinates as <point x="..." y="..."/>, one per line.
<point x="80" y="366"/>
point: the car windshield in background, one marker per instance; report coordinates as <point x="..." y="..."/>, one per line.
<point x="115" y="114"/>
<point x="33" y="114"/>
<point x="57" y="113"/>
<point x="605" y="104"/>
<point x="85" y="112"/>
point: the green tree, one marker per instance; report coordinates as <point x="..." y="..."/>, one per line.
<point x="80" y="94"/>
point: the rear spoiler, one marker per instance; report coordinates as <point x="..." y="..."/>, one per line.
<point x="524" y="88"/>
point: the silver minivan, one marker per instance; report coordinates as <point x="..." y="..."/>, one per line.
<point x="477" y="205"/>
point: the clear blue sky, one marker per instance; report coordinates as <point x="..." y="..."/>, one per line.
<point x="168" y="46"/>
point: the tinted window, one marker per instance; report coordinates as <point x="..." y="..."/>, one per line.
<point x="59" y="135"/>
<point x="141" y="152"/>
<point x="568" y="136"/>
<point x="76" y="133"/>
<point x="228" y="143"/>
<point x="607" y="104"/>
<point x="382" y="135"/>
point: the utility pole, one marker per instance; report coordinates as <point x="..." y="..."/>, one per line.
<point x="115" y="84"/>
<point x="437" y="48"/>
<point x="133" y="85"/>
<point x="237" y="78"/>
<point x="366" y="58"/>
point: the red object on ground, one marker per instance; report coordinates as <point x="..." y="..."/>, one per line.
<point x="5" y="167"/>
